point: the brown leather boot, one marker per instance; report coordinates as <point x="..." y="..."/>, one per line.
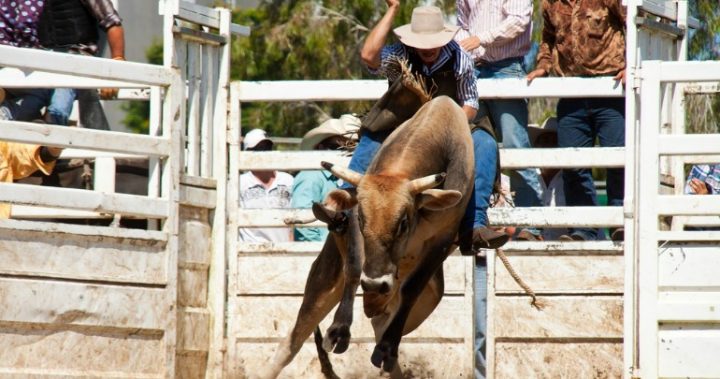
<point x="486" y="238"/>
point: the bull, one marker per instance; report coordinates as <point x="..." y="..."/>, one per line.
<point x="406" y="229"/>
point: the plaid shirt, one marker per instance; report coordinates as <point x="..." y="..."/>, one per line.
<point x="464" y="68"/>
<point x="709" y="174"/>
<point x="582" y="38"/>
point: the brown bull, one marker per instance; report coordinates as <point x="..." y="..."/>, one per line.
<point x="407" y="230"/>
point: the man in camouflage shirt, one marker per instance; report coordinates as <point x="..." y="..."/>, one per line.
<point x="586" y="38"/>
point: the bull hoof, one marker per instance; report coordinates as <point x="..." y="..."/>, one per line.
<point x="337" y="338"/>
<point x="385" y="356"/>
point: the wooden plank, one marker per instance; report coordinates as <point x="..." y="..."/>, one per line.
<point x="8" y="227"/>
<point x="57" y="197"/>
<point x="193" y="329"/>
<point x="90" y="305"/>
<point x="689" y="71"/>
<point x="562" y="317"/>
<point x="56" y="255"/>
<point x="286" y="274"/>
<point x="197" y="197"/>
<point x="198" y="181"/>
<point x="67" y="353"/>
<point x="269" y="318"/>
<point x="559" y="360"/>
<point x="689" y="350"/>
<point x="192" y="155"/>
<point x="689" y="267"/>
<point x="418" y="360"/>
<point x="81" y="138"/>
<point x="199" y="14"/>
<point x="584" y="274"/>
<point x="93" y="67"/>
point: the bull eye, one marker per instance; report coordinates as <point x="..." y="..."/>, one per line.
<point x="402" y="226"/>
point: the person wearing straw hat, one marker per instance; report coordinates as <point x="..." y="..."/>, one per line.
<point x="311" y="186"/>
<point x="428" y="46"/>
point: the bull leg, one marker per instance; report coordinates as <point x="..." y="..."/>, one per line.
<point x="338" y="334"/>
<point x="385" y="353"/>
<point x="322" y="293"/>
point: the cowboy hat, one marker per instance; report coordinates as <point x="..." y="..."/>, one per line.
<point x="347" y="126"/>
<point x="253" y="138"/>
<point x="426" y="30"/>
<point x="535" y="132"/>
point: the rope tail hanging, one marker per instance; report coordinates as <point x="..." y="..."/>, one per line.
<point x="535" y="302"/>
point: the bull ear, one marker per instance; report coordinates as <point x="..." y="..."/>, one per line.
<point x="437" y="200"/>
<point x="340" y="199"/>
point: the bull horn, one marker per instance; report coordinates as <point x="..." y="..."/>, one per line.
<point x="345" y="174"/>
<point x="421" y="184"/>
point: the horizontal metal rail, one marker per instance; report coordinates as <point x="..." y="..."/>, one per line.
<point x="344" y="90"/>
<point x="509" y="158"/>
<point x="536" y="216"/>
<point x="61" y="136"/>
<point x="92" y="67"/>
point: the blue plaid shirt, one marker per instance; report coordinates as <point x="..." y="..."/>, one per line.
<point x="464" y="68"/>
<point x="709" y="174"/>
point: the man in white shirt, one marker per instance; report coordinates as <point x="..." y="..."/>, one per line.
<point x="264" y="190"/>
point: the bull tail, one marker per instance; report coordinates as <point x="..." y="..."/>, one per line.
<point x="325" y="364"/>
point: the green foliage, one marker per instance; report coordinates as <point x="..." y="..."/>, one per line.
<point x="306" y="40"/>
<point x="137" y="113"/>
<point x="703" y="111"/>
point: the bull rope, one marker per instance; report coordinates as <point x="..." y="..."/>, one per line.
<point x="535" y="302"/>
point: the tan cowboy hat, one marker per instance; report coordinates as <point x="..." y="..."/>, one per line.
<point x="535" y="132"/>
<point x="347" y="126"/>
<point x="427" y="29"/>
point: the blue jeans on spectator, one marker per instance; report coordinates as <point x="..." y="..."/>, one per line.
<point x="91" y="112"/>
<point x="24" y="104"/>
<point x="510" y="118"/>
<point x="480" y="317"/>
<point x="580" y="121"/>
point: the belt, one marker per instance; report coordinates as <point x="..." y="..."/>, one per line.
<point x="482" y="62"/>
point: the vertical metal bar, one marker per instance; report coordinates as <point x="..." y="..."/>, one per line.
<point x="647" y="219"/>
<point x="217" y="286"/>
<point x="631" y="126"/>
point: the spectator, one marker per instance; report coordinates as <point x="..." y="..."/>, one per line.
<point x="18" y="27"/>
<point x="19" y="160"/>
<point x="434" y="56"/>
<point x="551" y="182"/>
<point x="703" y="180"/>
<point x="311" y="186"/>
<point x="264" y="189"/>
<point x="586" y="39"/>
<point x="71" y="26"/>
<point x="498" y="42"/>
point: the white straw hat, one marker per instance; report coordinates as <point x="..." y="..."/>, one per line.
<point x="347" y="126"/>
<point x="427" y="29"/>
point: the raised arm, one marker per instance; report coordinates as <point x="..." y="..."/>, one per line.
<point x="370" y="53"/>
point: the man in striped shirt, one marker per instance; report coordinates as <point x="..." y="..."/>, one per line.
<point x="496" y="34"/>
<point x="427" y="44"/>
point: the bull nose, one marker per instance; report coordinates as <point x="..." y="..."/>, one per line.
<point x="380" y="285"/>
